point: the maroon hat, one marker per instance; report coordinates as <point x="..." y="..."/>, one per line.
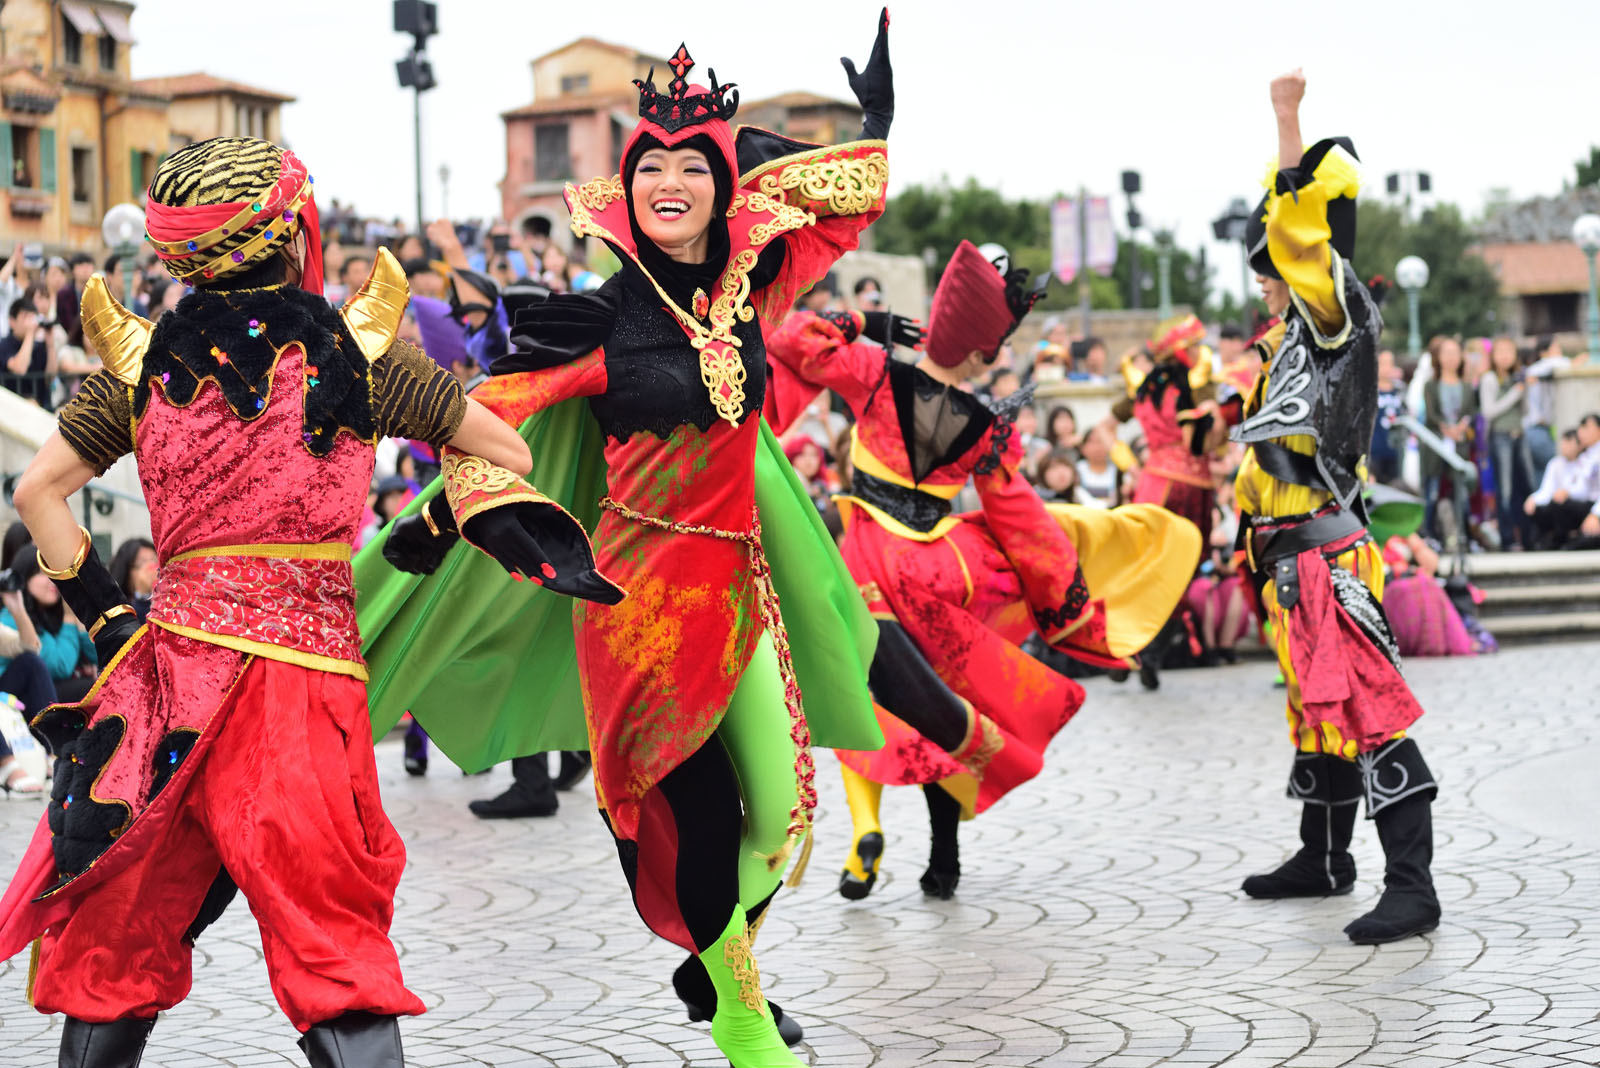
<point x="975" y="307"/>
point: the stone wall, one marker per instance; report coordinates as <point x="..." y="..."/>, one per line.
<point x="23" y="429"/>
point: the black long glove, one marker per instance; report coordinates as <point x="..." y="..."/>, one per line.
<point x="91" y="593"/>
<point x="874" y="85"/>
<point x="886" y="328"/>
<point x="517" y="535"/>
<point x="413" y="546"/>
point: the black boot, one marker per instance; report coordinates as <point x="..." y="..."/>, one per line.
<point x="1400" y="791"/>
<point x="944" y="852"/>
<point x="530" y="793"/>
<point x="354" y="1040"/>
<point x="693" y="987"/>
<point x="1330" y="791"/>
<point x="1323" y="867"/>
<point x="574" y="766"/>
<point x="1153" y="656"/>
<point x="416" y="750"/>
<point x="118" y="1044"/>
<point x="1409" y="905"/>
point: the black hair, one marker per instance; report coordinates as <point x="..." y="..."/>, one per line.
<point x="1231" y="332"/>
<point x="1050" y="420"/>
<point x="867" y="280"/>
<point x="416" y="266"/>
<point x="80" y="257"/>
<point x="121" y="565"/>
<point x="1569" y="435"/>
<point x="1092" y="342"/>
<point x="113" y="263"/>
<point x="536" y="226"/>
<point x="18" y="306"/>
<point x="47" y="618"/>
<point x="1592" y="417"/>
<point x="272" y="271"/>
<point x="363" y="256"/>
<point x="15" y="538"/>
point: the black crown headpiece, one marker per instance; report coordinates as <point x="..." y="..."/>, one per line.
<point x="676" y="110"/>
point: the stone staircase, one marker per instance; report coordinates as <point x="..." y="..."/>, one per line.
<point x="1536" y="596"/>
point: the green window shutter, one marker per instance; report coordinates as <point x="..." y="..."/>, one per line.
<point x="5" y="154"/>
<point x="136" y="169"/>
<point x="47" y="159"/>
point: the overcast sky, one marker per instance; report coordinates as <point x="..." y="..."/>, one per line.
<point x="1033" y="97"/>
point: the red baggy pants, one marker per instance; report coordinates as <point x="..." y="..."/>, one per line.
<point x="286" y="798"/>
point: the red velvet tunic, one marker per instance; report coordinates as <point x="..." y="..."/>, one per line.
<point x="254" y="533"/>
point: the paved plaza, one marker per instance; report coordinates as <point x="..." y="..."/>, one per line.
<point x="1098" y="921"/>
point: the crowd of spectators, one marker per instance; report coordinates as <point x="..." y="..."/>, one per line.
<point x="45" y="653"/>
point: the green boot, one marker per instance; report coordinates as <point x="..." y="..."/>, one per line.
<point x="743" y="1028"/>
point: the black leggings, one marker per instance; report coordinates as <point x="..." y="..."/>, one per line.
<point x="707" y="809"/>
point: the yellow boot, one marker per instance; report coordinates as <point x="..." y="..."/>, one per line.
<point x="743" y="1028"/>
<point x="861" y="869"/>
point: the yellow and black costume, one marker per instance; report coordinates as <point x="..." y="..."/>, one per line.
<point x="1316" y="570"/>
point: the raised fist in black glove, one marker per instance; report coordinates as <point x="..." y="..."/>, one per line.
<point x="886" y="328"/>
<point x="540" y="542"/>
<point x="413" y="546"/>
<point x="874" y="85"/>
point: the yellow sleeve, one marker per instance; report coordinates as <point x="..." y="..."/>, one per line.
<point x="1298" y="240"/>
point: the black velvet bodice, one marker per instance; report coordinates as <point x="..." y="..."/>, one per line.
<point x="653" y="372"/>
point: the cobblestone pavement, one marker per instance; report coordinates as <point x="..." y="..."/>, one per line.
<point x="1098" y="920"/>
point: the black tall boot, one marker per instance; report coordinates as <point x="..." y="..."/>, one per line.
<point x="1400" y="791"/>
<point x="944" y="852"/>
<point x="1330" y="791"/>
<point x="118" y="1044"/>
<point x="1409" y="906"/>
<point x="354" y="1040"/>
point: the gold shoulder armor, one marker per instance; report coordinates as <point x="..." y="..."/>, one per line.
<point x="1132" y="377"/>
<point x="118" y="335"/>
<point x="373" y="315"/>
<point x="1201" y="374"/>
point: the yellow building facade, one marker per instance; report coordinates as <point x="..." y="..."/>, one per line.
<point x="78" y="134"/>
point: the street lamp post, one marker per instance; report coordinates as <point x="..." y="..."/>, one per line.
<point x="1412" y="275"/>
<point x="419" y="18"/>
<point x="1231" y="225"/>
<point x="1164" y="271"/>
<point x="1586" y="233"/>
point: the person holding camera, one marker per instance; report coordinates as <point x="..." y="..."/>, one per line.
<point x="28" y="353"/>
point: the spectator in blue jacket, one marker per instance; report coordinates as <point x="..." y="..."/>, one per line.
<point x="64" y="646"/>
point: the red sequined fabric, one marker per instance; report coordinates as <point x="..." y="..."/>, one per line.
<point x="304" y="605"/>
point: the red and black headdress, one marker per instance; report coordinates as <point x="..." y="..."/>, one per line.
<point x="683" y="113"/>
<point x="976" y="307"/>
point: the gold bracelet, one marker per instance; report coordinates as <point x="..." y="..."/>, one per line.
<point x="427" y="517"/>
<point x="71" y="570"/>
<point x="107" y="616"/>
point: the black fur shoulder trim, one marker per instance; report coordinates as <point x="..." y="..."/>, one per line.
<point x="208" y="337"/>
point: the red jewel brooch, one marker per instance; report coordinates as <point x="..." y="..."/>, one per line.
<point x="702" y="304"/>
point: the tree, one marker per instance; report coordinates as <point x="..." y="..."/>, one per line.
<point x="1589" y="169"/>
<point x="930" y="222"/>
<point x="1462" y="294"/>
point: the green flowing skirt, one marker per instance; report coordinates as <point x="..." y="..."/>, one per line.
<point x="489" y="668"/>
